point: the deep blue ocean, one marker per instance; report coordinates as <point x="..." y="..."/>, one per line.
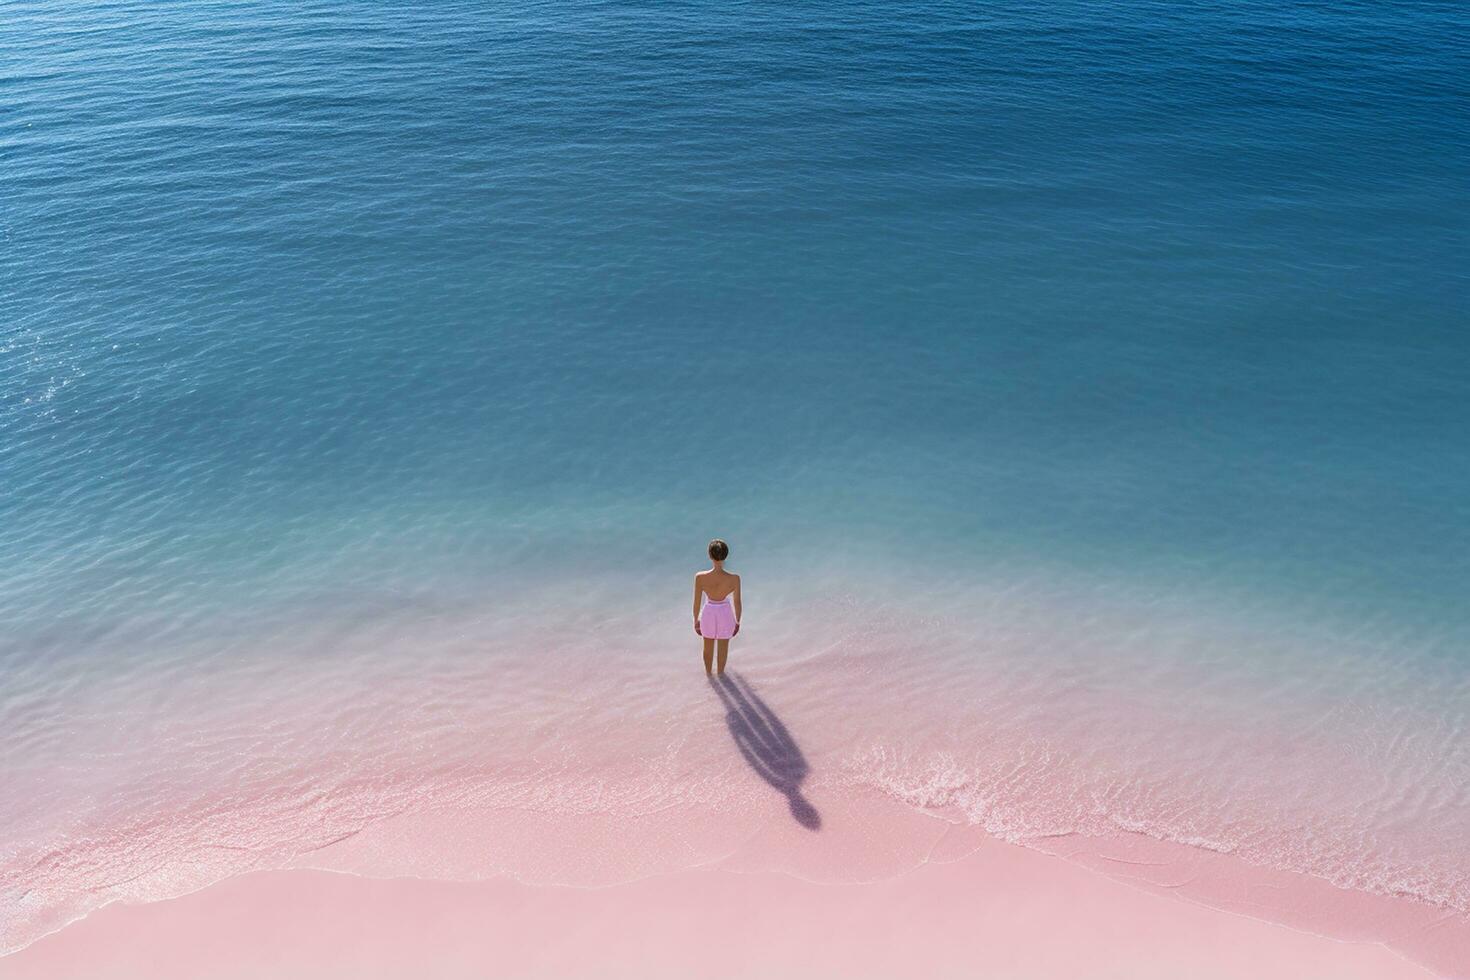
<point x="325" y="310"/>
<point x="1163" y="285"/>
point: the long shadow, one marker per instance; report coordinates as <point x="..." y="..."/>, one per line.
<point x="766" y="744"/>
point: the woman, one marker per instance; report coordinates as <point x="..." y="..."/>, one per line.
<point x="719" y="618"/>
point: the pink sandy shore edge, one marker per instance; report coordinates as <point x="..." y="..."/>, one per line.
<point x="999" y="911"/>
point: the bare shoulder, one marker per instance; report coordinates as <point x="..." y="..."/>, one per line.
<point x="701" y="576"/>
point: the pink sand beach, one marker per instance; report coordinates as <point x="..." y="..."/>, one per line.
<point x="969" y="906"/>
<point x="727" y="834"/>
<point x="1002" y="911"/>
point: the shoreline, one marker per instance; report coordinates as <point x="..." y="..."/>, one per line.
<point x="969" y="902"/>
<point x="751" y="810"/>
<point x="1001" y="908"/>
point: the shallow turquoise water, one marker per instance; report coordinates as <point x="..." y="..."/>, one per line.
<point x="323" y="312"/>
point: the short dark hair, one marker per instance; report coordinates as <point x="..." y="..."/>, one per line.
<point x="719" y="550"/>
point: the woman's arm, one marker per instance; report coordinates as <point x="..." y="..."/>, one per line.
<point x="696" y="607"/>
<point x="737" y="605"/>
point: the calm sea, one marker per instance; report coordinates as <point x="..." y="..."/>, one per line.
<point x="1084" y="385"/>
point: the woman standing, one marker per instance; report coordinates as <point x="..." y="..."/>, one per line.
<point x="719" y="618"/>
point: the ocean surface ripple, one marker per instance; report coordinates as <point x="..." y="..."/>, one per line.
<point x="1083" y="388"/>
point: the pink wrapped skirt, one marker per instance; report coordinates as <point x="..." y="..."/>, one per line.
<point x="717" y="619"/>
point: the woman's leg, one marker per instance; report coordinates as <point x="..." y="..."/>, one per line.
<point x="724" y="646"/>
<point x="709" y="655"/>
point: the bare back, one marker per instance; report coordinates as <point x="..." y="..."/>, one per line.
<point x="717" y="583"/>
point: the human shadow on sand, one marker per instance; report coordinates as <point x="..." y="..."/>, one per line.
<point x="766" y="744"/>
